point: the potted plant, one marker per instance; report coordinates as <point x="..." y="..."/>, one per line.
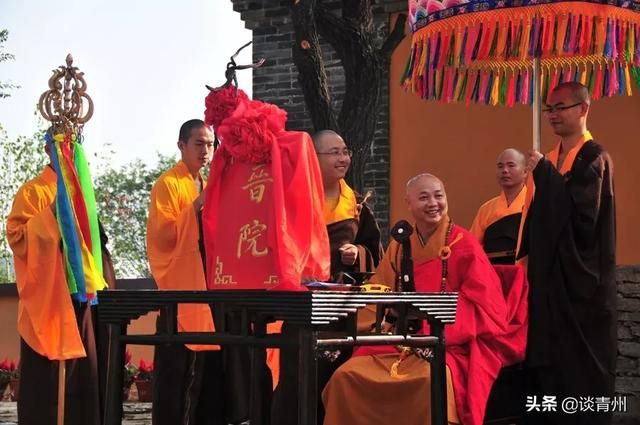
<point x="5" y="376"/>
<point x="130" y="373"/>
<point x="144" y="381"/>
<point x="14" y="379"/>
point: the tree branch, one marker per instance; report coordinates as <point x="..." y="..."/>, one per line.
<point x="394" y="38"/>
<point x="358" y="11"/>
<point x="312" y="76"/>
<point x="336" y="31"/>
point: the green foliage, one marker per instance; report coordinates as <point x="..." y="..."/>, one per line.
<point x="122" y="195"/>
<point x="5" y="87"/>
<point x="22" y="159"/>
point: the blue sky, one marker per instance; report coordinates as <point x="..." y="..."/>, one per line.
<point x="145" y="63"/>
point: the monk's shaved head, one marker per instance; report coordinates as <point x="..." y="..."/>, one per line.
<point x="511" y="170"/>
<point x="512" y="154"/>
<point x="420" y="178"/>
<point x="579" y="92"/>
<point x="427" y="201"/>
<point x="321" y="135"/>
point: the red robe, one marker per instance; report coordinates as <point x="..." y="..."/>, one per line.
<point x="489" y="331"/>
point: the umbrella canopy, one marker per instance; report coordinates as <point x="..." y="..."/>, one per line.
<point x="483" y="51"/>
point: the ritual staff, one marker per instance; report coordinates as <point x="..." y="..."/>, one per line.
<point x="497" y="221"/>
<point x="188" y="379"/>
<point x="570" y="238"/>
<point x="382" y="386"/>
<point x="61" y="261"/>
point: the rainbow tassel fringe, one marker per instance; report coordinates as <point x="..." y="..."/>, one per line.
<point x="486" y="56"/>
<point x="77" y="217"/>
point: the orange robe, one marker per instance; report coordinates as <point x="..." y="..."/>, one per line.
<point x="494" y="210"/>
<point x="46" y="319"/>
<point x="172" y="246"/>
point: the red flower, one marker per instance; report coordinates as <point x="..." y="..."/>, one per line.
<point x="127" y="357"/>
<point x="247" y="135"/>
<point x="144" y="366"/>
<point x="145" y="370"/>
<point x="221" y="103"/>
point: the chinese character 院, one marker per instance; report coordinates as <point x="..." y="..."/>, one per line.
<point x="248" y="239"/>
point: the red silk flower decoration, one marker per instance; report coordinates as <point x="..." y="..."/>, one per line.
<point x="248" y="134"/>
<point x="220" y="104"/>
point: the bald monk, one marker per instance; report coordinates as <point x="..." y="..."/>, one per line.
<point x="187" y="378"/>
<point x="369" y="389"/>
<point x="354" y="234"/>
<point x="497" y="221"/>
<point x="54" y="323"/>
<point x="570" y="238"/>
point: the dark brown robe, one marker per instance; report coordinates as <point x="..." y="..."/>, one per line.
<point x="569" y="236"/>
<point x="363" y="233"/>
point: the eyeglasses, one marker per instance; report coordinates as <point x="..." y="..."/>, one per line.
<point x="552" y="109"/>
<point x="344" y="152"/>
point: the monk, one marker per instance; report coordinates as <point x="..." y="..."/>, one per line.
<point x="187" y="378"/>
<point x="570" y="238"/>
<point x="354" y="238"/>
<point x="497" y="221"/>
<point x="377" y="386"/>
<point x="56" y="320"/>
<point x="354" y="234"/>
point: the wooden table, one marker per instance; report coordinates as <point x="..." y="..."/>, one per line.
<point x="309" y="310"/>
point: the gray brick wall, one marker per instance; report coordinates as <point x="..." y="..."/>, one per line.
<point x="628" y="376"/>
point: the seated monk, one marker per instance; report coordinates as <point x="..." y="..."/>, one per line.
<point x="377" y="386"/>
<point x="497" y="222"/>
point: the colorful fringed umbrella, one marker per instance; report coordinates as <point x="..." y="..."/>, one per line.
<point x="504" y="52"/>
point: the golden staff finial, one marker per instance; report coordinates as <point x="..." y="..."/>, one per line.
<point x="64" y="103"/>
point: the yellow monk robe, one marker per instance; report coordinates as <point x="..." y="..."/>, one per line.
<point x="344" y="207"/>
<point x="494" y="210"/>
<point x="46" y="319"/>
<point x="351" y="222"/>
<point x="172" y="246"/>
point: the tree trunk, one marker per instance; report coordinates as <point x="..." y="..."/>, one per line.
<point x="353" y="36"/>
<point x="312" y="76"/>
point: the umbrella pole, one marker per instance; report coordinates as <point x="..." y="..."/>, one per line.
<point x="537" y="103"/>
<point x="62" y="370"/>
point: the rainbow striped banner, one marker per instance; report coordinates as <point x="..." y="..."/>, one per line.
<point x="77" y="217"/>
